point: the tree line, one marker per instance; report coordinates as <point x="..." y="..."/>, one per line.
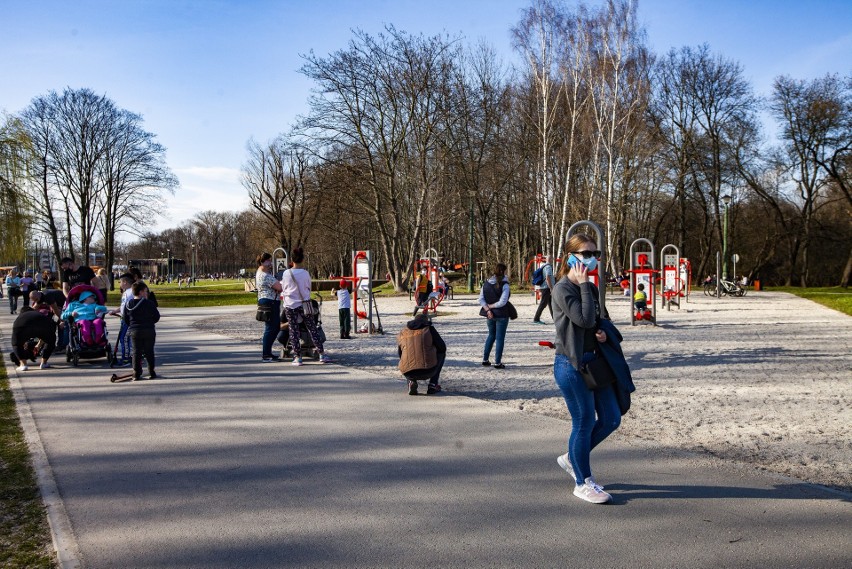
<point x="75" y="170"/>
<point x="414" y="142"/>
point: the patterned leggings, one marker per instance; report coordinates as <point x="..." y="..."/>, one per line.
<point x="293" y="316"/>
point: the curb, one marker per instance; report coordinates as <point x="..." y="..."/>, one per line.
<point x="62" y="534"/>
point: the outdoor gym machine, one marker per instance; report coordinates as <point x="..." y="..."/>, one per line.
<point x="672" y="283"/>
<point x="280" y="263"/>
<point x="362" y="283"/>
<point x="642" y="272"/>
<point x="429" y="265"/>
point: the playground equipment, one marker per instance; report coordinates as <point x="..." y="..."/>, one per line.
<point x="685" y="268"/>
<point x="642" y="272"/>
<point x="673" y="282"/>
<point x="430" y="266"/>
<point x="594" y="276"/>
<point x="280" y="263"/>
<point x="362" y="281"/>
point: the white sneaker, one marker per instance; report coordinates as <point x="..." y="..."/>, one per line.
<point x="44" y="365"/>
<point x="564" y="462"/>
<point x="22" y="367"/>
<point x="297" y="361"/>
<point x="324" y="359"/>
<point x="591" y="492"/>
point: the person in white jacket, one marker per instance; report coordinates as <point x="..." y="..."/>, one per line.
<point x="295" y="293"/>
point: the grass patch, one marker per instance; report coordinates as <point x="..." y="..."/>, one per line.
<point x="207" y="293"/>
<point x="834" y="297"/>
<point x="24" y="532"/>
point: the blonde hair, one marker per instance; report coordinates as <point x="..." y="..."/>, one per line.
<point x="575" y="242"/>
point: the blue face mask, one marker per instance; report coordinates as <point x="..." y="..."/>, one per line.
<point x="591" y="263"/>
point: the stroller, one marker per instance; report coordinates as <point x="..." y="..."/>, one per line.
<point x="306" y="344"/>
<point x="85" y="348"/>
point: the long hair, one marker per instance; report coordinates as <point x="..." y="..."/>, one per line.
<point x="575" y="242"/>
<point x="499" y="271"/>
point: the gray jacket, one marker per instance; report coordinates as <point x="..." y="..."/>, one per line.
<point x="574" y="311"/>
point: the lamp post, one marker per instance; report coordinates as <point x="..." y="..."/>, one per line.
<point x="726" y="199"/>
<point x="168" y="265"/>
<point x="193" y="264"/>
<point x="470" y="247"/>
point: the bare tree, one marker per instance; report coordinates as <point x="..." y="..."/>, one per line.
<point x="538" y="37"/>
<point x="810" y="113"/>
<point x="132" y="176"/>
<point x="281" y="182"/>
<point x="381" y="99"/>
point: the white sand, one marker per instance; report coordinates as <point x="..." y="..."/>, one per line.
<point x="764" y="380"/>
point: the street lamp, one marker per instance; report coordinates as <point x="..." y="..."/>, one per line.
<point x="470" y="246"/>
<point x="726" y="199"/>
<point x="193" y="264"/>
<point x="168" y="265"/>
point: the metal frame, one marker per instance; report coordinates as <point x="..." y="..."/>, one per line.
<point x="652" y="293"/>
<point x="668" y="303"/>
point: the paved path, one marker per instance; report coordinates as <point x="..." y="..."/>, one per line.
<point x="227" y="462"/>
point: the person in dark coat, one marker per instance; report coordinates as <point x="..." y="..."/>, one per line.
<point x="421" y="354"/>
<point x="141" y="315"/>
<point x="32" y="325"/>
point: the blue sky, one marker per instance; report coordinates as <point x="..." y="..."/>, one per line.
<point x="207" y="75"/>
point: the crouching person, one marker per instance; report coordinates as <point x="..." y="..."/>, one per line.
<point x="421" y="354"/>
<point x="32" y="325"/>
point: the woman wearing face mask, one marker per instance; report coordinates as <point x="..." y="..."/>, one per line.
<point x="594" y="414"/>
<point x="268" y="289"/>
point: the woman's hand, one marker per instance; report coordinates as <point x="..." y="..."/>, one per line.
<point x="578" y="273"/>
<point x="600" y="335"/>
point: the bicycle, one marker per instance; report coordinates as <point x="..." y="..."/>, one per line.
<point x="731" y="288"/>
<point x="726" y="288"/>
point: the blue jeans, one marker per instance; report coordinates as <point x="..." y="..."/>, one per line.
<point x="272" y="326"/>
<point x="594" y="415"/>
<point x="496" y="333"/>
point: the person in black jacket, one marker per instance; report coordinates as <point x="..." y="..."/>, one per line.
<point x="32" y="324"/>
<point x="141" y="315"/>
<point x="422" y="352"/>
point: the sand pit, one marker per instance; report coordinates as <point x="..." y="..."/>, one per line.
<point x="764" y="380"/>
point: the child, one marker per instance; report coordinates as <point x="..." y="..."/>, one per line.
<point x="125" y="282"/>
<point x="640" y="299"/>
<point x="90" y="316"/>
<point x="140" y="314"/>
<point x="344" y="304"/>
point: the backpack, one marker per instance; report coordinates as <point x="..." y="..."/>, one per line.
<point x="538" y="276"/>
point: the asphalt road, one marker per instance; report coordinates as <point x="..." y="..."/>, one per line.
<point x="228" y="462"/>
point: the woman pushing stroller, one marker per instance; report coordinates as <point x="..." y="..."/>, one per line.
<point x="296" y="293"/>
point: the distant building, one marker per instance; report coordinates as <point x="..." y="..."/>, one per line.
<point x="159" y="267"/>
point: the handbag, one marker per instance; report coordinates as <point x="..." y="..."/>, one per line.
<point x="510" y="308"/>
<point x="307" y="306"/>
<point x="597" y="373"/>
<point x="264" y="313"/>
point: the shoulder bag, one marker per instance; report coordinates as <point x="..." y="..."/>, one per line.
<point x="264" y="313"/>
<point x="307" y="306"/>
<point x="597" y="373"/>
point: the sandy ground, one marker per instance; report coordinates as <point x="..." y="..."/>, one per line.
<point x="764" y="380"/>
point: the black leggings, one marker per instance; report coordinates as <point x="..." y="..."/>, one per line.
<point x="26" y="355"/>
